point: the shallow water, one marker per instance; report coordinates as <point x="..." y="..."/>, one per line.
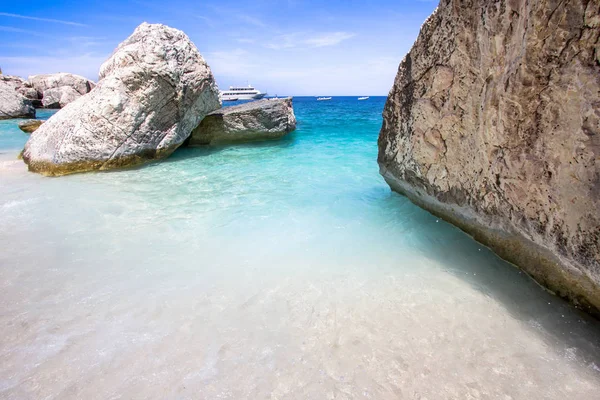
<point x="279" y="270"/>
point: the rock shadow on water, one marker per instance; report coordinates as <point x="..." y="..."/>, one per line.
<point x="186" y="152"/>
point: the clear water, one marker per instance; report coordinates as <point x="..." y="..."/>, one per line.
<point x="278" y="270"/>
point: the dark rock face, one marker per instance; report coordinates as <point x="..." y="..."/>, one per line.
<point x="257" y="120"/>
<point x="31" y="94"/>
<point x="493" y="123"/>
<point x="153" y="91"/>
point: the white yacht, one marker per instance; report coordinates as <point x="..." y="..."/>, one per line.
<point x="323" y="98"/>
<point x="241" y="93"/>
<point x="364" y="98"/>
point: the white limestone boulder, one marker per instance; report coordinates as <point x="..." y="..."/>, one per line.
<point x="13" y="104"/>
<point x="153" y="91"/>
<point x="59" y="97"/>
<point x="43" y="82"/>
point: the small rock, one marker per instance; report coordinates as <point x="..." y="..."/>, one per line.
<point x="30" y="125"/>
<point x="257" y="120"/>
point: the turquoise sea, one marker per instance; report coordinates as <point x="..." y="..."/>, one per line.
<point x="273" y="270"/>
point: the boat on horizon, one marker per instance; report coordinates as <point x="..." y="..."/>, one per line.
<point x="323" y="98"/>
<point x="363" y="98"/>
<point x="241" y="93"/>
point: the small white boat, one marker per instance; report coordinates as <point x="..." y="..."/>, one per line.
<point x="230" y="99"/>
<point x="363" y="98"/>
<point x="323" y="98"/>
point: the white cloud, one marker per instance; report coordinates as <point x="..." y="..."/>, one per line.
<point x="207" y="20"/>
<point x="56" y="21"/>
<point x="329" y="39"/>
<point x="19" y="30"/>
<point x="84" y="42"/>
<point x="287" y="41"/>
<point x="235" y="63"/>
<point x="301" y="39"/>
<point x="252" y="20"/>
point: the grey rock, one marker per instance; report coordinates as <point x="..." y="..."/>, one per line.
<point x="43" y="82"/>
<point x="12" y="103"/>
<point x="31" y="94"/>
<point x="153" y="91"/>
<point x="59" y="97"/>
<point x="493" y="123"/>
<point x="14" y="81"/>
<point x="257" y="120"/>
<point x="30" y="125"/>
<point x="28" y="92"/>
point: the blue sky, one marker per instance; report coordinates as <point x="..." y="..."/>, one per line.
<point x="288" y="47"/>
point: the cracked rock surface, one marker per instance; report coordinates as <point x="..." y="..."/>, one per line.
<point x="493" y="123"/>
<point x="153" y="91"/>
<point x="257" y="120"/>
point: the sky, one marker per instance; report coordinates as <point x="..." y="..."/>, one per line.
<point x="285" y="47"/>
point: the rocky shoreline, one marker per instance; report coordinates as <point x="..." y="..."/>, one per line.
<point x="482" y="127"/>
<point x="153" y="92"/>
<point x="40" y="91"/>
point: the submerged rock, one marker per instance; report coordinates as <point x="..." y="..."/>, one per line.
<point x="30" y="125"/>
<point x="257" y="120"/>
<point x="12" y="103"/>
<point x="59" y="97"/>
<point x="153" y="90"/>
<point x="493" y="123"/>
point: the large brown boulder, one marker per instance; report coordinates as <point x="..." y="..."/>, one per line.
<point x="257" y="120"/>
<point x="153" y="90"/>
<point x="493" y="123"/>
